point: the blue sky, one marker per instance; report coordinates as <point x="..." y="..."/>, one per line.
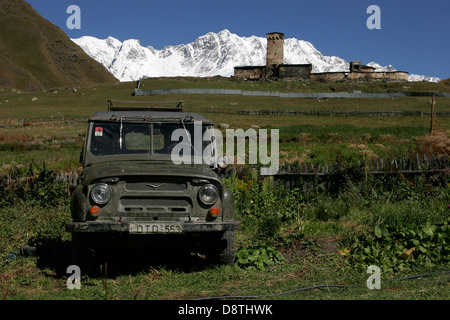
<point x="414" y="34"/>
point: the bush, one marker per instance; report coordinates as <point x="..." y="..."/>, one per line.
<point x="33" y="185"/>
<point x="353" y="205"/>
<point x="269" y="227"/>
<point x="402" y="246"/>
<point x="258" y="257"/>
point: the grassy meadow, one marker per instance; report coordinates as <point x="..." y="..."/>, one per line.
<point x="290" y="239"/>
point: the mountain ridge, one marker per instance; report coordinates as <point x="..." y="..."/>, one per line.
<point x="209" y="55"/>
<point x="36" y="55"/>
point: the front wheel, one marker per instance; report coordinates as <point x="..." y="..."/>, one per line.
<point x="223" y="250"/>
<point x="85" y="255"/>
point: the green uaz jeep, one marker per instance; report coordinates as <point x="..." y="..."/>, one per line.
<point x="151" y="175"/>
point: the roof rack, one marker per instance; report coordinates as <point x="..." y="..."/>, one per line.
<point x="144" y="106"/>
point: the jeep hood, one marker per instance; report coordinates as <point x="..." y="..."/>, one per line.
<point x="121" y="169"/>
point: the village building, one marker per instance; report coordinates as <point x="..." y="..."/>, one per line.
<point x="276" y="69"/>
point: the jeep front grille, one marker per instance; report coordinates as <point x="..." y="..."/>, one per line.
<point x="156" y="205"/>
<point x="155" y="186"/>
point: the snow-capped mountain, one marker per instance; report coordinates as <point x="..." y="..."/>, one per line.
<point x="411" y="77"/>
<point x="379" y="68"/>
<point x="209" y="55"/>
<point x="416" y="77"/>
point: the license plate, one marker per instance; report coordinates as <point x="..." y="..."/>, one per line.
<point x="148" y="228"/>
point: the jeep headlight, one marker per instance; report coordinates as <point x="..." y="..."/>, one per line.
<point x="101" y="193"/>
<point x="208" y="194"/>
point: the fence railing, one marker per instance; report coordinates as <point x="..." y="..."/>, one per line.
<point x="404" y="113"/>
<point x="290" y="174"/>
<point x="417" y="164"/>
<point x="309" y="176"/>
<point x="303" y="95"/>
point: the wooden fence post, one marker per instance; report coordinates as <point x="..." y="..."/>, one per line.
<point x="432" y="115"/>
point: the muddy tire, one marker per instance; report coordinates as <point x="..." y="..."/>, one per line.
<point x="83" y="254"/>
<point x="223" y="251"/>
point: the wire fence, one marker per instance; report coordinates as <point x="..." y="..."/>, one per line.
<point x="27" y="121"/>
<point x="406" y="113"/>
<point x="302" y="95"/>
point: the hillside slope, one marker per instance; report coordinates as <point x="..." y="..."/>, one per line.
<point x="36" y="55"/>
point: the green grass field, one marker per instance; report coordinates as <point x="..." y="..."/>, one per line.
<point x="324" y="238"/>
<point x="62" y="114"/>
<point x="66" y="104"/>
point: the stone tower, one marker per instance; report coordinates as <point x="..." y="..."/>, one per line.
<point x="275" y="50"/>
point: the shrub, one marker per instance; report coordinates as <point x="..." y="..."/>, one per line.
<point x="34" y="185"/>
<point x="269" y="227"/>
<point x="436" y="142"/>
<point x="402" y="246"/>
<point x="258" y="257"/>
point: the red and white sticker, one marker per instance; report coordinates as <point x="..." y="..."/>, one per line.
<point x="98" y="131"/>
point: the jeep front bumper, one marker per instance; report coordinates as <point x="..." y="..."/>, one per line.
<point x="151" y="227"/>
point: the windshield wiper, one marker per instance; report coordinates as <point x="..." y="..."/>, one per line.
<point x="187" y="133"/>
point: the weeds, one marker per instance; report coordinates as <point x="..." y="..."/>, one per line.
<point x="25" y="224"/>
<point x="33" y="185"/>
<point x="391" y="204"/>
<point x="400" y="247"/>
<point x="347" y="144"/>
<point x="437" y="142"/>
<point x="258" y="257"/>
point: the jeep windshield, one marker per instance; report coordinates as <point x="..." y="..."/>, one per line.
<point x="141" y="140"/>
